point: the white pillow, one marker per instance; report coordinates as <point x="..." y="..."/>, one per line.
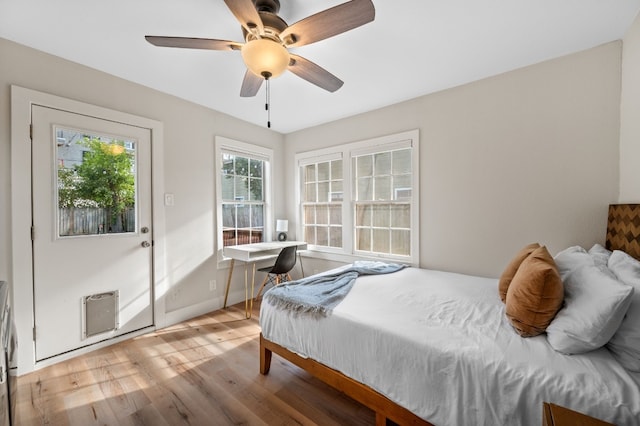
<point x="625" y="344"/>
<point x="600" y="255"/>
<point x="594" y="304"/>
<point x="570" y="259"/>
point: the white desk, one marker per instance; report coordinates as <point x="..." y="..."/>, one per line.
<point x="252" y="253"/>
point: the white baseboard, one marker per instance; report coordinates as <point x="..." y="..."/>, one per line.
<point x="192" y="311"/>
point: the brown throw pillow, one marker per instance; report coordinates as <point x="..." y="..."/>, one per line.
<point x="535" y="294"/>
<point x="512" y="268"/>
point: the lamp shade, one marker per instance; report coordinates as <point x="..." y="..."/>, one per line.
<point x="282" y="225"/>
<point x="265" y="56"/>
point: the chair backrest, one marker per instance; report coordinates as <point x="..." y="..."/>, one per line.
<point x="286" y="260"/>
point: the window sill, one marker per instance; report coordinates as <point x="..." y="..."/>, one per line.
<point x="347" y="258"/>
<point x="225" y="262"/>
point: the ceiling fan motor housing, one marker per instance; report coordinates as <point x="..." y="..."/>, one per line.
<point x="273" y="24"/>
<point x="272" y="6"/>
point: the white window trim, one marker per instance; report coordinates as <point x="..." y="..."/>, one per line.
<point x="223" y="144"/>
<point x="408" y="139"/>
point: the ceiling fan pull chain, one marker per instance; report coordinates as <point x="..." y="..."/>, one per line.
<point x="266" y="105"/>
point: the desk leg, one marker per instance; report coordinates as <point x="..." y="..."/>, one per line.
<point x="246" y="291"/>
<point x="301" y="267"/>
<point x="226" y="292"/>
<point x="248" y="299"/>
<point x="253" y="282"/>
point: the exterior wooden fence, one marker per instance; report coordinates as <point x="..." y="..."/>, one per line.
<point x="92" y="221"/>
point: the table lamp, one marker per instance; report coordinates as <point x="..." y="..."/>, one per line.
<point x="282" y="226"/>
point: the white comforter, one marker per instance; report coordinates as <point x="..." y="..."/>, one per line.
<point x="439" y="344"/>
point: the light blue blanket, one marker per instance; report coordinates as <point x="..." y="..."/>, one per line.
<point x="321" y="293"/>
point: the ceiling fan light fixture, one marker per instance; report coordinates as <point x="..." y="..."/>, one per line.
<point x="265" y="57"/>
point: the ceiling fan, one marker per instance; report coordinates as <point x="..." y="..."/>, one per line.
<point x="268" y="38"/>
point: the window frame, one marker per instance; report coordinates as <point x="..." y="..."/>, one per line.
<point x="302" y="162"/>
<point x="346" y="152"/>
<point x="225" y="145"/>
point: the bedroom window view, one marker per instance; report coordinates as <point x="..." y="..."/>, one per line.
<point x="322" y="203"/>
<point x="96" y="184"/>
<point x="383" y="202"/>
<point x="243" y="204"/>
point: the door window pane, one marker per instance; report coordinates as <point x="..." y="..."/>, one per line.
<point x="96" y="183"/>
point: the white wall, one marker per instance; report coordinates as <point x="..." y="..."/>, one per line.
<point x="189" y="133"/>
<point x="529" y="155"/>
<point x="630" y="117"/>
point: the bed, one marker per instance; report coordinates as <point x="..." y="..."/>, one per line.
<point x="425" y="347"/>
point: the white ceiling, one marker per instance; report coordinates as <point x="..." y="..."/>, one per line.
<point x="414" y="47"/>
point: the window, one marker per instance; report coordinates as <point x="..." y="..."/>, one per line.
<point x="96" y="184"/>
<point x="361" y="199"/>
<point x="322" y="203"/>
<point x="243" y="172"/>
<point x="383" y="202"/>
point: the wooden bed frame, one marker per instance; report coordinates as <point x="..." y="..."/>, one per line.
<point x="623" y="233"/>
<point x="380" y="404"/>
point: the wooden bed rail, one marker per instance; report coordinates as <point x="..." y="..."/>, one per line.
<point x="380" y="404"/>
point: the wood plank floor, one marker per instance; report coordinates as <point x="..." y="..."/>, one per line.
<point x="200" y="372"/>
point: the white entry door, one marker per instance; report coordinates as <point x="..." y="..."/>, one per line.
<point x="92" y="230"/>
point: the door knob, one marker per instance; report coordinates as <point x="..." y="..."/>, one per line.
<point x="144" y="230"/>
<point x="146" y="244"/>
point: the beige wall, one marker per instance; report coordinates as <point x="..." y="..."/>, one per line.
<point x="189" y="133"/>
<point x="530" y="155"/>
<point x="630" y="117"/>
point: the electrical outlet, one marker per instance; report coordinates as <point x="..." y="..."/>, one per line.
<point x="212" y="285"/>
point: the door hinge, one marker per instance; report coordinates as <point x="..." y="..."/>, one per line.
<point x="34" y="334"/>
<point x="31" y="131"/>
<point x="33" y="233"/>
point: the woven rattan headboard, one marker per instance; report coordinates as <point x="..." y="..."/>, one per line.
<point x="623" y="228"/>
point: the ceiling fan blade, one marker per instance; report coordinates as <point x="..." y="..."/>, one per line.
<point x="247" y="14"/>
<point x="250" y="84"/>
<point x="313" y="73"/>
<point x="193" y="43"/>
<point x="328" y="23"/>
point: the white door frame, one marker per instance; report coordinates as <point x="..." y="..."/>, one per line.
<point x="21" y="218"/>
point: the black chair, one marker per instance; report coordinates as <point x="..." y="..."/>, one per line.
<point x="279" y="272"/>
